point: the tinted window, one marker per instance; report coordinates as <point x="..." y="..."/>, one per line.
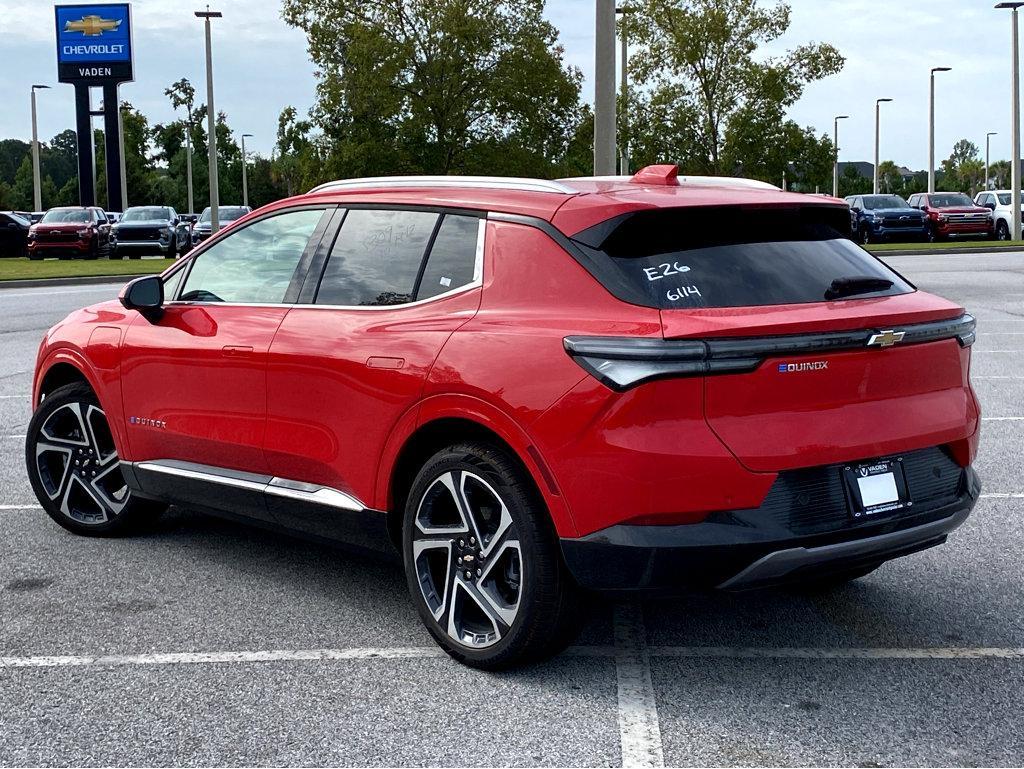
<point x="253" y="264"/>
<point x="376" y="258"/>
<point x="452" y="260"/>
<point x="146" y="214"/>
<point x="1004" y="198"/>
<point x="950" y="200"/>
<point x="67" y="215"/>
<point x="875" y="202"/>
<point x="732" y="256"/>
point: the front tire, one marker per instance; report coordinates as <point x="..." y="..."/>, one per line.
<point x="74" y="468"/>
<point x="1002" y="230"/>
<point x="865" y="235"/>
<point x="482" y="560"/>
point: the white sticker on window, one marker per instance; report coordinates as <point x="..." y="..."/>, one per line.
<point x="446" y="282"/>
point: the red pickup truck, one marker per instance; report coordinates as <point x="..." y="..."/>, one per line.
<point x="953" y="215"/>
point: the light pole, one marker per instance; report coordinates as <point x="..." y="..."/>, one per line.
<point x="188" y="164"/>
<point x="604" y="89"/>
<point x="1015" y="122"/>
<point x="211" y="121"/>
<point x="988" y="138"/>
<point x="835" y="146"/>
<point x="37" y="190"/>
<point x="624" y="87"/>
<point x="245" y="177"/>
<point x="931" y="129"/>
<point x="878" y="104"/>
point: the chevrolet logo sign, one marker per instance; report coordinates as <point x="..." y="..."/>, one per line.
<point x="92" y="25"/>
<point x="886" y="338"/>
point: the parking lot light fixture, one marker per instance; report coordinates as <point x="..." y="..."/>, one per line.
<point x="835" y="148"/>
<point x="931" y="128"/>
<point x="878" y="104"/>
<point x="988" y="141"/>
<point x="37" y="191"/>
<point x="1014" y="120"/>
<point x="245" y="178"/>
<point x="211" y="122"/>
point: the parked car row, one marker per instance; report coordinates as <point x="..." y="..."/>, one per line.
<point x="89" y="232"/>
<point x="925" y="216"/>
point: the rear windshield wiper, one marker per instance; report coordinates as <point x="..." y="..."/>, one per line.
<point x="856" y="284"/>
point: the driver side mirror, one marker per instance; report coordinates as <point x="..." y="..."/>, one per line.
<point x="193" y="218"/>
<point x="146" y="295"/>
<point x="990" y="206"/>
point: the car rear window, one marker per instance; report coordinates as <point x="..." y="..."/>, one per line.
<point x="730" y="256"/>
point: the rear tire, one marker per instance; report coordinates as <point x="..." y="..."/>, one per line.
<point x="482" y="560"/>
<point x="74" y="469"/>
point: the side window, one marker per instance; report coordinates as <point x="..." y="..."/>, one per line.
<point x="452" y="260"/>
<point x="376" y="258"/>
<point x="171" y="283"/>
<point x="254" y="264"/>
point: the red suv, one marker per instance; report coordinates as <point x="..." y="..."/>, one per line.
<point x="527" y="388"/>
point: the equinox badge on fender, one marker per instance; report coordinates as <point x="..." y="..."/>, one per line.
<point x="788" y="368"/>
<point x="886" y="338"/>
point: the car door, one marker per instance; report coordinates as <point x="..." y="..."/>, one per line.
<point x="194" y="381"/>
<point x="352" y="357"/>
<point x="9" y="236"/>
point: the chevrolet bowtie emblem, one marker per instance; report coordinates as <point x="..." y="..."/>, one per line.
<point x="92" y="25"/>
<point x="886" y="338"/>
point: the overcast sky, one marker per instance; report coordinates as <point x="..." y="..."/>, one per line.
<point x="261" y="66"/>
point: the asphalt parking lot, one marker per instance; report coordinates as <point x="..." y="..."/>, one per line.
<point x="208" y="642"/>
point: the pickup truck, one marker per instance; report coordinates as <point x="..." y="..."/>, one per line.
<point x="953" y="215"/>
<point x="998" y="202"/>
<point x="878" y="218"/>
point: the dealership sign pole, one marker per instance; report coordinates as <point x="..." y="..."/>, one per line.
<point x="94" y="49"/>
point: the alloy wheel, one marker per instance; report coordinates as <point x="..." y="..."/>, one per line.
<point x="78" y="466"/>
<point x="467" y="558"/>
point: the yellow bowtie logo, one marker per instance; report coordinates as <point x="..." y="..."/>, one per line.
<point x="92" y="25"/>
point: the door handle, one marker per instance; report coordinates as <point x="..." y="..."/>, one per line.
<point x="236" y="350"/>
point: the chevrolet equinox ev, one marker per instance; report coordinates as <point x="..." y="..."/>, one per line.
<point x="532" y="390"/>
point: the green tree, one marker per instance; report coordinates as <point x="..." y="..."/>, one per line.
<point x="964" y="169"/>
<point x="852" y="183"/>
<point x="704" y="78"/>
<point x="999" y="174"/>
<point x="438" y="86"/>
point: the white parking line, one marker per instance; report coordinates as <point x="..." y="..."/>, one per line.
<point x="639" y="729"/>
<point x="1003" y="495"/>
<point x="20" y="507"/>
<point x="638" y="718"/>
<point x="1002" y="419"/>
<point x="12" y="437"/>
<point x="6" y="397"/>
<point x="924" y="653"/>
<point x="997" y="377"/>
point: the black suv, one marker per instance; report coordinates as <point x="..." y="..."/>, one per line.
<point x="150" y="230"/>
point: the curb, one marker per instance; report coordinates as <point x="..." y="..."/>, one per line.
<point x="941" y="251"/>
<point x="90" y="280"/>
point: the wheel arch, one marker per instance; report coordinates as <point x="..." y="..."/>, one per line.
<point x="66" y="366"/>
<point x="449" y="420"/>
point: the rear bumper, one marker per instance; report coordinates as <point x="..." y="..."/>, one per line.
<point x="732" y="554"/>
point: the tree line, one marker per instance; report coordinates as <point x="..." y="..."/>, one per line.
<point x="483" y="87"/>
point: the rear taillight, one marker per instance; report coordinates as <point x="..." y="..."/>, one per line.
<point x="624" y="362"/>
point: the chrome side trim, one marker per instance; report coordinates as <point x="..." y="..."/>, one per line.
<point x="159" y="466"/>
<point x="278" y="487"/>
<point x="470" y="182"/>
<point x="309" y="492"/>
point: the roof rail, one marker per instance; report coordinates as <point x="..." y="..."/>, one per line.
<point x="473" y="182"/>
<point x="701" y="181"/>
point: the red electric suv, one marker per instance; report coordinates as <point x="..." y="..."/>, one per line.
<point x="528" y="388"/>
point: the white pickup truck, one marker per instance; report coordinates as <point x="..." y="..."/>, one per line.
<point x="998" y="202"/>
